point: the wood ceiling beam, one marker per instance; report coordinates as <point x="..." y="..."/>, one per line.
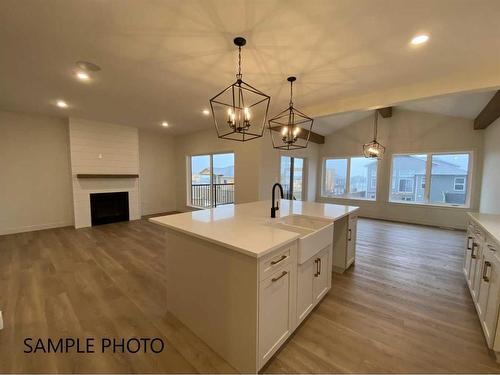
<point x="315" y="137"/>
<point x="385" y="112"/>
<point x="489" y="113"/>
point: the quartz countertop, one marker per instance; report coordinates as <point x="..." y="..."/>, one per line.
<point x="246" y="227"/>
<point x="489" y="222"/>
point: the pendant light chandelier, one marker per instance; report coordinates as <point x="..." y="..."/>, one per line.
<point x="374" y="149"/>
<point x="290" y="129"/>
<point x="240" y="110"/>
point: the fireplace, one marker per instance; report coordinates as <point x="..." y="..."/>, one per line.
<point x="109" y="207"/>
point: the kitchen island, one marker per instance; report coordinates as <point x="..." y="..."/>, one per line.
<point x="243" y="282"/>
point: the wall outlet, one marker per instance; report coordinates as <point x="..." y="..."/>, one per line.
<point x="1" y="321"/>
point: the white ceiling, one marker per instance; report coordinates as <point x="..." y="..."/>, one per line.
<point x="457" y="105"/>
<point x="162" y="60"/>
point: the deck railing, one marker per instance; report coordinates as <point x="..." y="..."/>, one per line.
<point x="202" y="195"/>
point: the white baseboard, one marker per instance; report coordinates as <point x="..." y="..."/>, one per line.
<point x="31" y="228"/>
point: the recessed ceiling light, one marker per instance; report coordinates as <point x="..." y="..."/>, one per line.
<point x="62" y="104"/>
<point x="419" y="39"/>
<point x="164" y="124"/>
<point x="82" y="76"/>
<point x="206" y="112"/>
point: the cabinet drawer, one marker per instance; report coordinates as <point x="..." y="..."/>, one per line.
<point x="491" y="244"/>
<point x="270" y="264"/>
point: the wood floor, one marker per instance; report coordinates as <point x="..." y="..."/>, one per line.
<point x="403" y="307"/>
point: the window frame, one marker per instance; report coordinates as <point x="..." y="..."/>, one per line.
<point x="189" y="178"/>
<point x="348" y="179"/>
<point x="428" y="171"/>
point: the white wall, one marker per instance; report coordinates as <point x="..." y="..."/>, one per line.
<point x="408" y="131"/>
<point x="490" y="192"/>
<point x="157" y="172"/>
<point x="101" y="148"/>
<point x="35" y="179"/>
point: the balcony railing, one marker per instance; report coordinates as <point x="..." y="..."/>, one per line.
<point x="203" y="195"/>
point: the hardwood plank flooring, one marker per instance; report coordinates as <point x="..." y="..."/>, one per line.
<point x="403" y="307"/>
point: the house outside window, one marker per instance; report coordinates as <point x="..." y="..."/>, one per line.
<point x="434" y="178"/>
<point x="212" y="180"/>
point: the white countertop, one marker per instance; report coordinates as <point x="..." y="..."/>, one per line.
<point x="489" y="222"/>
<point x="245" y="227"/>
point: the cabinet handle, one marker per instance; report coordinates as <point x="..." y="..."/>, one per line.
<point x="472" y="254"/>
<point x="283" y="257"/>
<point x="279" y="277"/>
<point x="485" y="271"/>
<point x="350" y="235"/>
<point x="469" y="239"/>
<point x="492" y="248"/>
<point x="318" y="267"/>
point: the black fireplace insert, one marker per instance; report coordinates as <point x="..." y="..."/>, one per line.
<point x="108" y="208"/>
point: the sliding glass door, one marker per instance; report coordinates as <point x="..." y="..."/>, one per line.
<point x="292" y="177"/>
<point x="212" y="180"/>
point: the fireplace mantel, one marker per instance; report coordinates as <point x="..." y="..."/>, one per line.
<point x="102" y="175"/>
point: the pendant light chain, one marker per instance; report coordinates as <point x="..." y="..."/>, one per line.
<point x="291" y="94"/>
<point x="375" y="126"/>
<point x="239" y="75"/>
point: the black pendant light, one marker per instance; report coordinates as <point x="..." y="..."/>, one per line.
<point x="240" y="110"/>
<point x="374" y="149"/>
<point x="290" y="129"/>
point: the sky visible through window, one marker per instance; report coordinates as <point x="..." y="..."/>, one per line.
<point x="198" y="163"/>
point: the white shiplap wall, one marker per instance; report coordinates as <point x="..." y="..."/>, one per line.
<point x="97" y="148"/>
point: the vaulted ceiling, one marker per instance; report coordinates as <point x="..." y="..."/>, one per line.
<point x="163" y="60"/>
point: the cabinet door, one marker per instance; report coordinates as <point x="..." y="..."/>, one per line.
<point x="489" y="295"/>
<point x="351" y="240"/>
<point x="274" y="312"/>
<point x="305" y="299"/>
<point x="322" y="275"/>
<point x="467" y="254"/>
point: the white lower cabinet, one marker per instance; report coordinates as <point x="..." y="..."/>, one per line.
<point x="351" y="240"/>
<point x="314" y="281"/>
<point x="488" y="293"/>
<point x="482" y="273"/>
<point x="275" y="315"/>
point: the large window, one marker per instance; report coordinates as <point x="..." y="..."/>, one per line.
<point x="212" y="180"/>
<point x="352" y="178"/>
<point x="447" y="175"/>
<point x="292" y="177"/>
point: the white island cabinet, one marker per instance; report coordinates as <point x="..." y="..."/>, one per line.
<point x="481" y="268"/>
<point x="242" y="281"/>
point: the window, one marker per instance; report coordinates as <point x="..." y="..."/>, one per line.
<point x="446" y="173"/>
<point x="407" y="174"/>
<point x="449" y="172"/>
<point x="292" y="177"/>
<point x="459" y="184"/>
<point x="405" y="185"/>
<point x="212" y="180"/>
<point x="351" y="178"/>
